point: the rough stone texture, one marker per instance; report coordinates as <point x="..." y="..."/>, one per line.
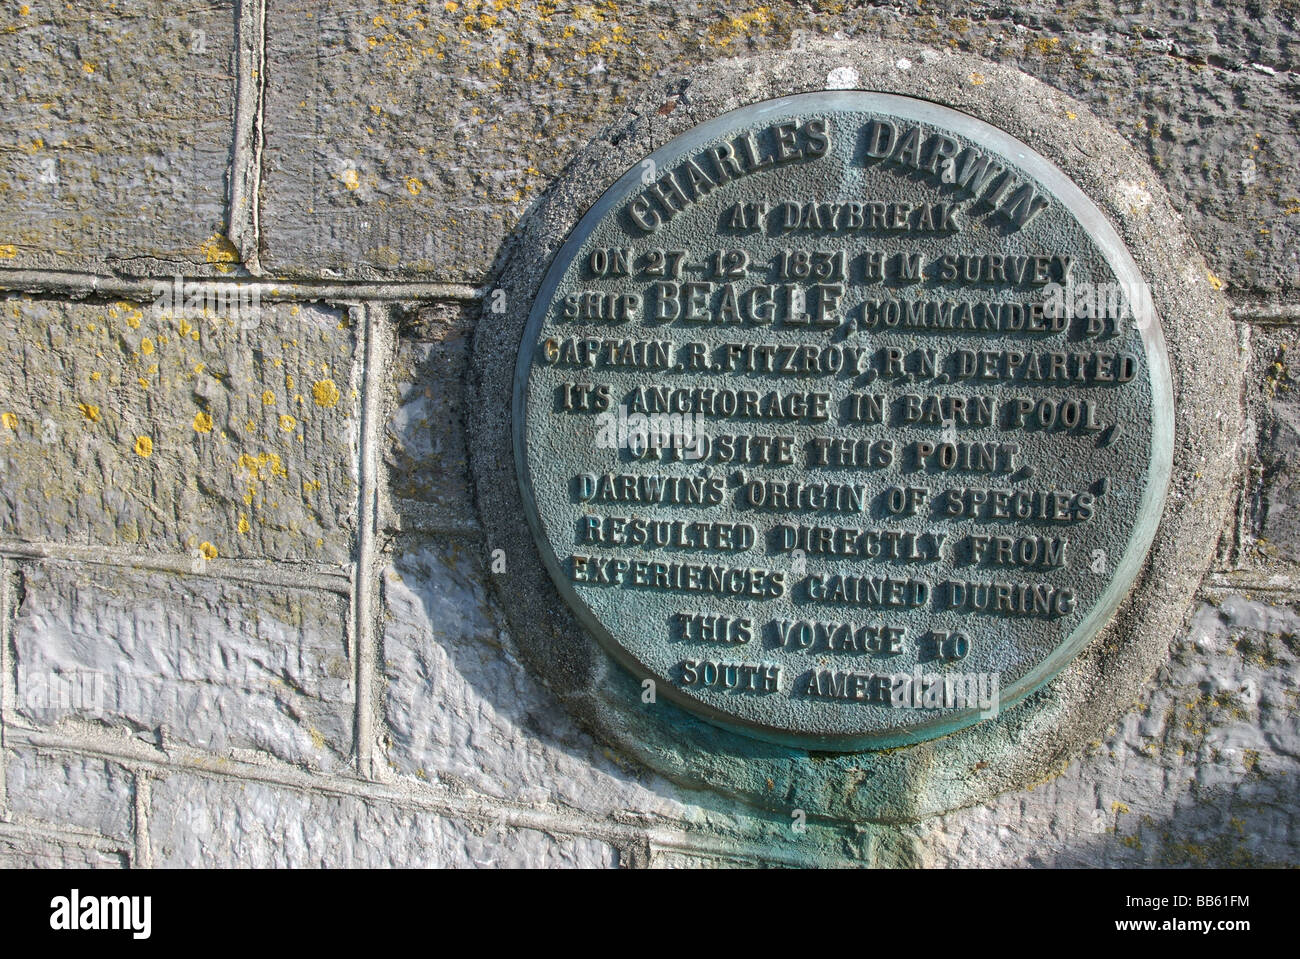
<point x="224" y="666"/>
<point x="1201" y="772"/>
<point x="128" y="425"/>
<point x="116" y="136"/>
<point x="1273" y="495"/>
<point x="405" y="140"/>
<point x="425" y="453"/>
<point x="213" y="823"/>
<point x="460" y="709"/>
<point x="470" y="109"/>
<point x="70" y="790"/>
<point x="43" y="852"/>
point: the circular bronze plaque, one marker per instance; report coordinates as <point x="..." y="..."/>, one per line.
<point x="845" y="419"/>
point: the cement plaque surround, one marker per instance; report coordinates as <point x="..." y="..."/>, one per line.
<point x="839" y="775"/>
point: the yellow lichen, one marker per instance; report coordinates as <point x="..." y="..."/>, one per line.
<point x="143" y="446"/>
<point x="208" y="550"/>
<point x="262" y="466"/>
<point x="287" y="422"/>
<point x="10" y="421"/>
<point x="268" y="398"/>
<point x="8" y="251"/>
<point x="146" y="346"/>
<point x="89" y="411"/>
<point x="1214" y="280"/>
<point x="202" y="422"/>
<point x="723" y="32"/>
<point x="325" y="393"/>
<point x="220" y="252"/>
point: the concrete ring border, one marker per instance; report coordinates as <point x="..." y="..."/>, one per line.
<point x="1035" y="738"/>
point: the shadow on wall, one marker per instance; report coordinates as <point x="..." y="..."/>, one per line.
<point x="1250" y="824"/>
<point x="1196" y="774"/>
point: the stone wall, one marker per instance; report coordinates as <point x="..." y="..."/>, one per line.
<point x="246" y="610"/>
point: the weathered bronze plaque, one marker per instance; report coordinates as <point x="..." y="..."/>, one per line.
<point x="844" y="418"/>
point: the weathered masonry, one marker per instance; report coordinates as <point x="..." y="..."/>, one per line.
<point x="473" y="433"/>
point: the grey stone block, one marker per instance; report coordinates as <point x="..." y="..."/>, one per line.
<point x="208" y="822"/>
<point x="116" y="137"/>
<point x="469" y="111"/>
<point x="425" y="452"/>
<point x="461" y="709"/>
<point x="218" y="665"/>
<point x="128" y="425"/>
<point x="65" y="790"/>
<point x="40" y="852"/>
<point x="1273" y="489"/>
<point x="1200" y="773"/>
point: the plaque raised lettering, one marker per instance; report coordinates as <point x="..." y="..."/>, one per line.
<point x="845" y="418"/>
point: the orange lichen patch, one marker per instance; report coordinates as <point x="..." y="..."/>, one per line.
<point x="143" y="446"/>
<point x="8" y="251"/>
<point x="89" y="411"/>
<point x="243" y="526"/>
<point x="202" y="422"/>
<point x="325" y="393"/>
<point x="268" y="398"/>
<point x="1214" y="280"/>
<point x="10" y="421"/>
<point x="208" y="550"/>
